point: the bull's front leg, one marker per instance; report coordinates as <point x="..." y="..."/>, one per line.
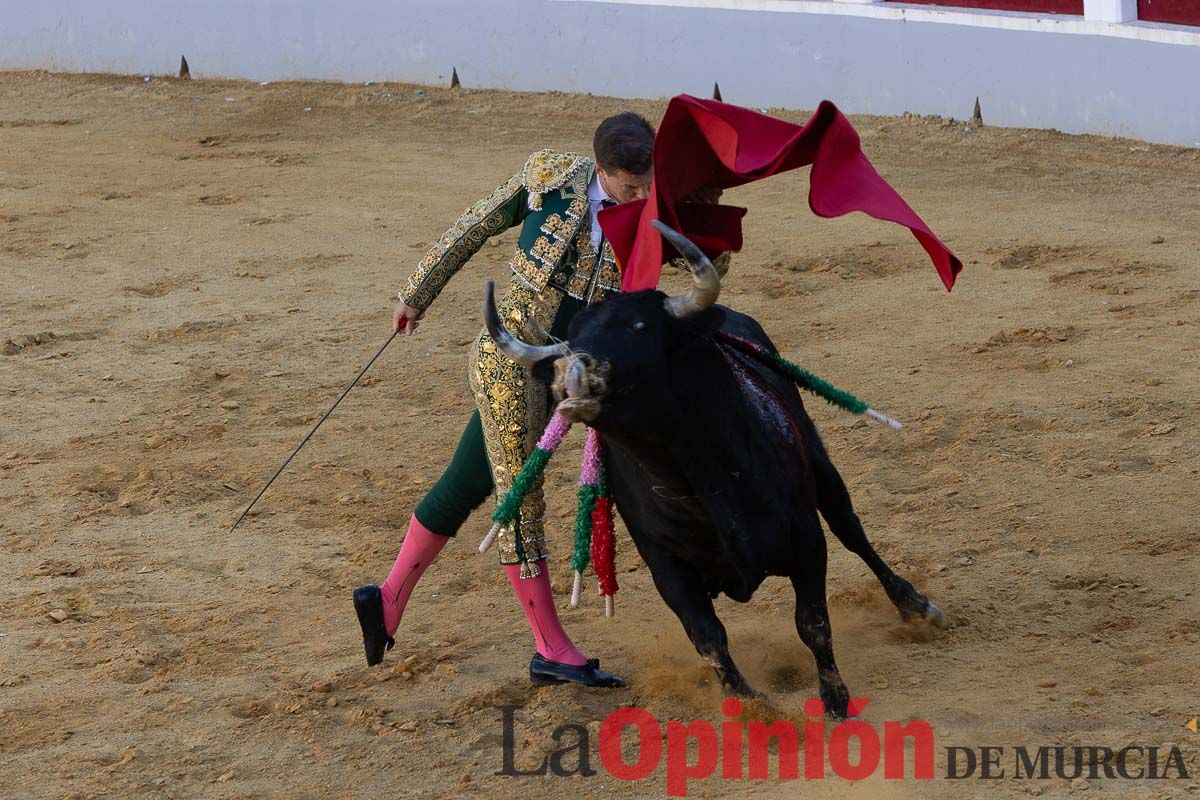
<point x="812" y="622"/>
<point x="682" y="590"/>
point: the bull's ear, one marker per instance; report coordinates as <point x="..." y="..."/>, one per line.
<point x="707" y="321"/>
<point x="686" y="332"/>
<point x="543" y="371"/>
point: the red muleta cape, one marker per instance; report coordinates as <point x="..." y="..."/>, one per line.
<point x="706" y="143"/>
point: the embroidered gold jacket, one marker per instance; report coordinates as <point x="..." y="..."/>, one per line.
<point x="548" y="197"/>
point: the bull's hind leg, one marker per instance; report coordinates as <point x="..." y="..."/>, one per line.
<point x="834" y="503"/>
<point x="680" y="587"/>
<point x="812" y="623"/>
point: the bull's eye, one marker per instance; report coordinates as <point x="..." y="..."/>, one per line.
<point x="639" y="325"/>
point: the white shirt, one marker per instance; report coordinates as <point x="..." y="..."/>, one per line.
<point x="596" y="195"/>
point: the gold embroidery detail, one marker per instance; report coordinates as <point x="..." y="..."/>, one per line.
<point x="578" y="210"/>
<point x="530" y="270"/>
<point x="547" y="170"/>
<point x="551" y="248"/>
<point x="608" y="277"/>
<point x="595" y="277"/>
<point x="481" y="221"/>
<point x="514" y="410"/>
<point x="550" y="261"/>
<point x="577" y="286"/>
<point x="548" y="252"/>
<point x="585" y="267"/>
<point x="558" y="227"/>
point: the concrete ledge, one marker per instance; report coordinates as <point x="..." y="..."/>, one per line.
<point x="1107" y="19"/>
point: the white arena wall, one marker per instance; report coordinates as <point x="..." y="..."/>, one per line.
<point x="1076" y="74"/>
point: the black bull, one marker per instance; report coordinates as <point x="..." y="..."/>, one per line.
<point x="714" y="464"/>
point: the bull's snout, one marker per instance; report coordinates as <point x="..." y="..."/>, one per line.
<point x="576" y="375"/>
<point x="580" y="383"/>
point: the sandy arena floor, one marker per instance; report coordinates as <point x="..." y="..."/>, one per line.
<point x="191" y="272"/>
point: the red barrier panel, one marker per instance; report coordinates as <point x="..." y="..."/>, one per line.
<point x="1181" y="12"/>
<point x="1038" y="6"/>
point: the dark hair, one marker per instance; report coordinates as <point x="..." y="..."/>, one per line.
<point x="624" y="141"/>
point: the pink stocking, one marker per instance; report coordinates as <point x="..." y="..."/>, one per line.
<point x="420" y="547"/>
<point x="537" y="602"/>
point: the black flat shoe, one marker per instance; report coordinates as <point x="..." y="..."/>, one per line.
<point x="544" y="672"/>
<point x="368" y="602"/>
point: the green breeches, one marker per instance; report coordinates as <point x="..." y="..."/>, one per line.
<point x="464" y="485"/>
<point x="511" y="412"/>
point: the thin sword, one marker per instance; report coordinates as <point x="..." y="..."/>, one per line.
<point x="324" y="417"/>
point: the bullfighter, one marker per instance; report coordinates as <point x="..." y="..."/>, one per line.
<point x="562" y="263"/>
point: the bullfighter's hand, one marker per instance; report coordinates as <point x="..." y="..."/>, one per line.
<point x="406" y="318"/>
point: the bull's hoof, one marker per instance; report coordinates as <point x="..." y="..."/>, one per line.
<point x="836" y="698"/>
<point x="745" y="691"/>
<point x="935" y="617"/>
<point x="928" y="613"/>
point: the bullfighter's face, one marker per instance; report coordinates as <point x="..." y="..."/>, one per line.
<point x="622" y="185"/>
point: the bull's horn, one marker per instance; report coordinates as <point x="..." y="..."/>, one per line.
<point x="510" y="345"/>
<point x="704" y="275"/>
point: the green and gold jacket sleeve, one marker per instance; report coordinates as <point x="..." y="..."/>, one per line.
<point x="494" y="214"/>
